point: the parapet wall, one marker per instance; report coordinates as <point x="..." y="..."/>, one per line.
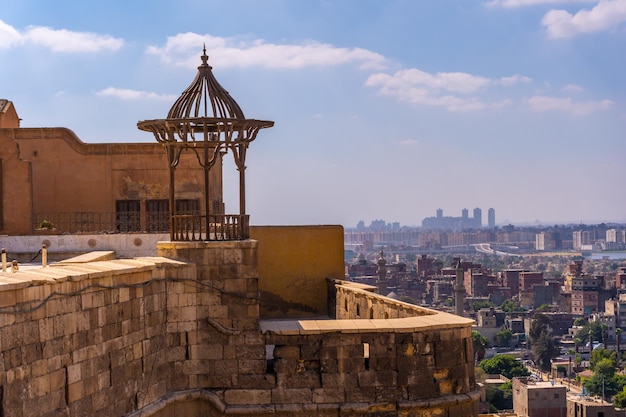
<point x="88" y="339"/>
<point x="164" y="337"/>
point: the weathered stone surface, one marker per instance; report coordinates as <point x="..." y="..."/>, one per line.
<point x="115" y="349"/>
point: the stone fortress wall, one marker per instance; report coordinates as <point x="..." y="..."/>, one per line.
<point x="158" y="336"/>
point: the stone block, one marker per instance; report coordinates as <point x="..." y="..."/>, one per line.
<point x="74" y="373"/>
<point x="260" y="381"/>
<point x="334" y="380"/>
<point x="252" y="366"/>
<point x="74" y="392"/>
<point x="329" y="395"/>
<point x="250" y="352"/>
<point x="306" y="379"/>
<point x="287" y="352"/>
<point x="377" y="378"/>
<point x="247" y="396"/>
<point x="290" y="395"/>
<point x="329" y="366"/>
<point x="57" y="379"/>
<point x="360" y="395"/>
<point x="39" y="386"/>
<point x="349" y="365"/>
<point x="39" y="367"/>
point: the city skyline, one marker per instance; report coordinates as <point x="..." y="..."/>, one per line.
<point x="389" y="110"/>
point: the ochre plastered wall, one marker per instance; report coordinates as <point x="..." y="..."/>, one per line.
<point x="294" y="263"/>
<point x="49" y="170"/>
<point x="8" y="115"/>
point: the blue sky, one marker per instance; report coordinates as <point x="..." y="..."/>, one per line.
<point x="383" y="109"/>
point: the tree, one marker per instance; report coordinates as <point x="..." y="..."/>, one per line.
<point x="480" y="344"/>
<point x="580" y="321"/>
<point x="598" y="355"/>
<point x="605" y="333"/>
<point x="604" y="379"/>
<point x="510" y="306"/>
<point x="618" y="339"/>
<point x="500" y="397"/>
<point x="477" y="305"/>
<point x="590" y="331"/>
<point x="506" y="365"/>
<point x="620" y="398"/>
<point x="503" y="337"/>
<point x="542" y="345"/>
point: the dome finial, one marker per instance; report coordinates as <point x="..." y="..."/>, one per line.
<point x="204" y="56"/>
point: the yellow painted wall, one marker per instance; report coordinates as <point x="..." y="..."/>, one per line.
<point x="294" y="262"/>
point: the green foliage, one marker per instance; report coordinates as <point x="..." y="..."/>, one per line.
<point x="477" y="305"/>
<point x="500" y="397"/>
<point x="600" y="354"/>
<point x="580" y="321"/>
<point x="620" y="398"/>
<point x="510" y="306"/>
<point x="603" y="363"/>
<point x="594" y="328"/>
<point x="46" y="225"/>
<point x="503" y="337"/>
<point x="542" y="345"/>
<point x="505" y="365"/>
<point x="480" y="344"/>
<point x="597" y="385"/>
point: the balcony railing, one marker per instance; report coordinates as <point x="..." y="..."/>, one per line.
<point x="186" y="227"/>
<point x="198" y="227"/>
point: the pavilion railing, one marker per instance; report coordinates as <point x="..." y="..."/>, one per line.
<point x="198" y="227"/>
<point x="192" y="226"/>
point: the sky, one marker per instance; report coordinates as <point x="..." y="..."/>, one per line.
<point x="383" y="109"/>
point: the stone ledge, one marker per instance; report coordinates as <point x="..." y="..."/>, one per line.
<point x="437" y="321"/>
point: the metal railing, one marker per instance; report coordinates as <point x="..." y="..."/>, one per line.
<point x="198" y="227"/>
<point x="186" y="226"/>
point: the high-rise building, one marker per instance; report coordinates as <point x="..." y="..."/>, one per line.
<point x="615" y="236"/>
<point x="581" y="239"/>
<point x="478" y="218"/>
<point x="491" y="218"/>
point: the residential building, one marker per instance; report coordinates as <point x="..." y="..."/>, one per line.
<point x="538" y="398"/>
<point x="583" y="406"/>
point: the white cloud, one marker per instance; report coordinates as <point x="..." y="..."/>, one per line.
<point x="127" y="94"/>
<point x="449" y="90"/>
<point x="605" y="15"/>
<point x="8" y="35"/>
<point x="510" y="4"/>
<point x="185" y="49"/>
<point x="573" y="88"/>
<point x="58" y="40"/>
<point x="514" y="79"/>
<point x="566" y="104"/>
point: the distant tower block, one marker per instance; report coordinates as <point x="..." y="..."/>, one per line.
<point x="478" y="218"/>
<point x="459" y="288"/>
<point x="439" y="213"/>
<point x="465" y="213"/>
<point x="491" y="218"/>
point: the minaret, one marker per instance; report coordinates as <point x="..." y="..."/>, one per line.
<point x="382" y="274"/>
<point x="459" y="289"/>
